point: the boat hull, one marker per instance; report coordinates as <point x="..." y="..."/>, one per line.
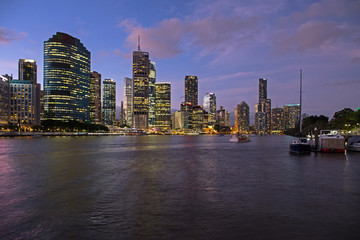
<point x="300" y="148"/>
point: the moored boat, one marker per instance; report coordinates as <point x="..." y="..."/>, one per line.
<point x="353" y="144"/>
<point x="239" y="138"/>
<point x="331" y="141"/>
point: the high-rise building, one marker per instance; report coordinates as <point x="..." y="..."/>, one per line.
<point x="209" y="105"/>
<point x="152" y="94"/>
<point x="277" y="119"/>
<point x="262" y="89"/>
<point x="128" y="100"/>
<point x="122" y="113"/>
<point x="198" y="118"/>
<point x="27" y="70"/>
<point x="188" y="109"/>
<point x="95" y="98"/>
<point x="109" y="102"/>
<point x="291" y="115"/>
<point x="141" y="71"/>
<point x="163" y="105"/>
<point x="191" y="90"/>
<point x="66" y="79"/>
<point x="223" y="117"/>
<point x="179" y="120"/>
<point x="4" y="100"/>
<point x="25" y="105"/>
<point x="242" y="117"/>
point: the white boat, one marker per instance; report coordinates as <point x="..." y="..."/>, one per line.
<point x="331" y="141"/>
<point x="239" y="138"/>
<point x="353" y="144"/>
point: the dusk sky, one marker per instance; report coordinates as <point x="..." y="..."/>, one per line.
<point x="228" y="44"/>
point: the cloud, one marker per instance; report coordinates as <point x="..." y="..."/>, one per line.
<point x="173" y="36"/>
<point x="8" y="35"/>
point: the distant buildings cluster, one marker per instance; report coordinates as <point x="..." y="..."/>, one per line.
<point x="73" y="92"/>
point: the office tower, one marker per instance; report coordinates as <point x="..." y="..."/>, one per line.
<point x="262" y="89"/>
<point x="179" y="120"/>
<point x="95" y="98"/>
<point x="42" y="104"/>
<point x="122" y="113"/>
<point x="191" y="90"/>
<point x="277" y="119"/>
<point x="152" y="94"/>
<point x="109" y="102"/>
<point x="163" y="105"/>
<point x="188" y="109"/>
<point x="66" y="79"/>
<point x="141" y="71"/>
<point x="266" y="109"/>
<point x="4" y="100"/>
<point x="260" y="124"/>
<point x="198" y="118"/>
<point x="242" y="117"/>
<point x="223" y="117"/>
<point x="25" y="105"/>
<point x="27" y="70"/>
<point x="128" y="100"/>
<point x="209" y="105"/>
<point x="291" y="115"/>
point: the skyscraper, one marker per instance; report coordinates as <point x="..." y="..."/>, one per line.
<point x="152" y="94"/>
<point x="262" y="89"/>
<point x="66" y="79"/>
<point x="128" y="100"/>
<point x="163" y="105"/>
<point x="263" y="109"/>
<point x="242" y="117"/>
<point x="223" y="117"/>
<point x="291" y="115"/>
<point x="109" y="102"/>
<point x="277" y="119"/>
<point x="27" y="70"/>
<point x="191" y="90"/>
<point x="141" y="71"/>
<point x="209" y="105"/>
<point x="95" y="98"/>
<point x="4" y="100"/>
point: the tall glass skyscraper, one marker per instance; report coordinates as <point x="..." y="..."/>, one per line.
<point x="209" y="105"/>
<point x="95" y="98"/>
<point x="152" y="94"/>
<point x="262" y="89"/>
<point x="27" y="70"/>
<point x="163" y="105"/>
<point x="191" y="90"/>
<point x="242" y="117"/>
<point x="141" y="71"/>
<point x="109" y="102"/>
<point x="128" y="100"/>
<point x="66" y="79"/>
<point x="4" y="100"/>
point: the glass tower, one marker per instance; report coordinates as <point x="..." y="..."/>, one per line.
<point x="66" y="79"/>
<point x="152" y="94"/>
<point x="163" y="105"/>
<point x="209" y="105"/>
<point x="109" y="102"/>
<point x="242" y="117"/>
<point x="262" y="89"/>
<point x="95" y="98"/>
<point x="27" y="70"/>
<point x="191" y="90"/>
<point x="128" y="100"/>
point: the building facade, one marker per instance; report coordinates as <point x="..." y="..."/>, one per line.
<point x="291" y="115"/>
<point x="179" y="120"/>
<point x="191" y="90"/>
<point x="209" y="105"/>
<point x="187" y="108"/>
<point x="263" y="109"/>
<point x="4" y="100"/>
<point x="242" y="117"/>
<point x="141" y="71"/>
<point x="95" y="98"/>
<point x="163" y="105"/>
<point x="109" y="102"/>
<point x="223" y="117"/>
<point x="152" y="94"/>
<point x="277" y="120"/>
<point x="66" y="79"/>
<point x="27" y="70"/>
<point x="128" y="101"/>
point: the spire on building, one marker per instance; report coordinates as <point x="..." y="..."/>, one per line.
<point x="139" y="42"/>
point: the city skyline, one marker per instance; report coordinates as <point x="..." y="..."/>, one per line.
<point x="228" y="45"/>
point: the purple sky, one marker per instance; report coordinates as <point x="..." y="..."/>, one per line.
<point x="228" y="44"/>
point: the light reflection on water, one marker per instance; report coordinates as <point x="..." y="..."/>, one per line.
<point x="175" y="187"/>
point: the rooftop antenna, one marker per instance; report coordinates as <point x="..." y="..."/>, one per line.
<point x="139" y="42"/>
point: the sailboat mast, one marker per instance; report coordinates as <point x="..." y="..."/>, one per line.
<point x="300" y="101"/>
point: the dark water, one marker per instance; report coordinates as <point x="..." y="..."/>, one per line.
<point x="175" y="187"/>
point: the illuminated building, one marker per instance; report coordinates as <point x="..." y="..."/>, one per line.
<point x="163" y="105"/>
<point x="152" y="94"/>
<point x="223" y="117"/>
<point x="242" y="117"/>
<point x="260" y="124"/>
<point x="95" y="98"/>
<point x="122" y="113"/>
<point x="27" y="70"/>
<point x="109" y="102"/>
<point x="4" y="100"/>
<point x="209" y="105"/>
<point x="25" y="102"/>
<point x="191" y="90"/>
<point x="128" y="100"/>
<point x="188" y="109"/>
<point x="291" y="115"/>
<point x="66" y="79"/>
<point x="262" y="89"/>
<point x="277" y="120"/>
<point x="141" y="71"/>
<point x="198" y="118"/>
<point x="42" y="104"/>
<point x="263" y="121"/>
<point x="179" y="120"/>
